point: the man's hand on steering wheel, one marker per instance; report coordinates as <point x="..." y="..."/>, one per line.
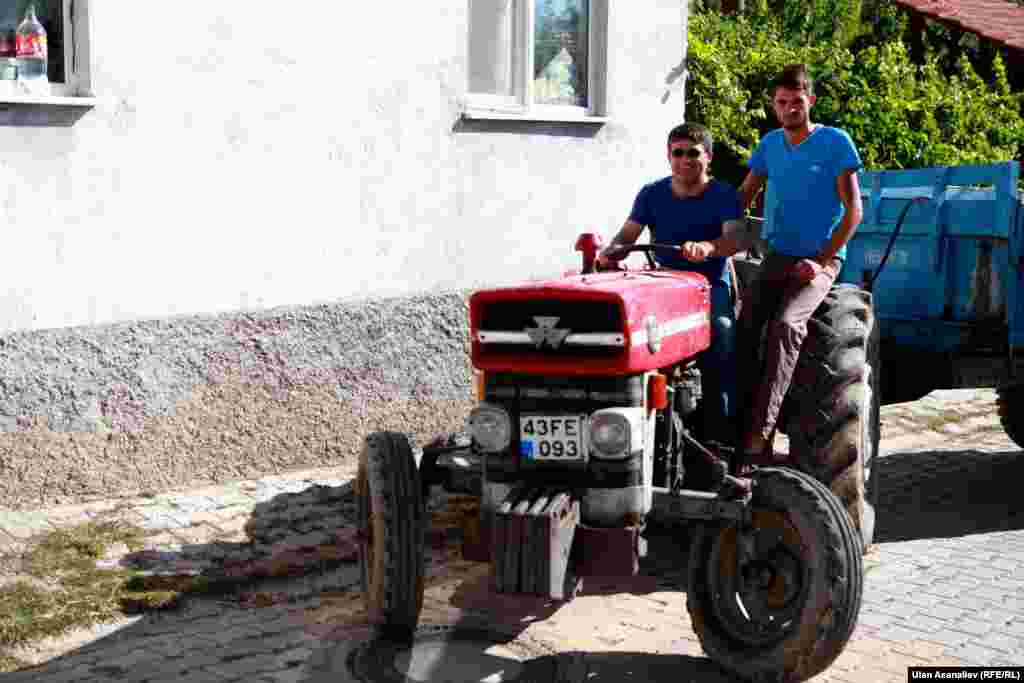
<point x="696" y="251"/>
<point x="611" y="256"/>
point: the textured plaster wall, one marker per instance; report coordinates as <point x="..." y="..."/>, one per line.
<point x="245" y="157"/>
<point x="144" y="406"/>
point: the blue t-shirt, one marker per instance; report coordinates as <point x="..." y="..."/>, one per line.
<point x="674" y="220"/>
<point x="803" y="179"/>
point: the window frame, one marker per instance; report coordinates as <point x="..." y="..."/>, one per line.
<point x="77" y="81"/>
<point x="521" y="105"/>
<point x="76" y="88"/>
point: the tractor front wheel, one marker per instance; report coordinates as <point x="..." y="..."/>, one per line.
<point x="780" y="598"/>
<point x="392" y="528"/>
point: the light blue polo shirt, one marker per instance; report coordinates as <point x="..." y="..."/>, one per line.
<point x="803" y="181"/>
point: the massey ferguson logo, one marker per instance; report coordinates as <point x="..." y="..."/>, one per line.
<point x="546" y="332"/>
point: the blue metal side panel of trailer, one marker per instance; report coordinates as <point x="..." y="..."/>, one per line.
<point x="954" y="267"/>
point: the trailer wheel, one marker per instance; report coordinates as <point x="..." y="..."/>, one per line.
<point x="1010" y="402"/>
<point x="778" y="600"/>
<point x="392" y="526"/>
<point x="831" y="413"/>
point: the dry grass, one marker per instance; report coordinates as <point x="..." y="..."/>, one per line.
<point x="57" y="586"/>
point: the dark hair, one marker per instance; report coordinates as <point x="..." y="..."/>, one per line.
<point x="694" y="132"/>
<point x="793" y="77"/>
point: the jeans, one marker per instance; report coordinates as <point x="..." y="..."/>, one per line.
<point x="718" y="365"/>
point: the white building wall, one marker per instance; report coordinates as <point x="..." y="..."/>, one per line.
<point x="245" y="155"/>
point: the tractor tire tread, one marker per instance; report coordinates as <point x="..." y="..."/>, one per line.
<point x="835" y="382"/>
<point x="393" y="481"/>
<point x="813" y="650"/>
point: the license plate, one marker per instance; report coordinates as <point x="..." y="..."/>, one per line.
<point x="545" y="437"/>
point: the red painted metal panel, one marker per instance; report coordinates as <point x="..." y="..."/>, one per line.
<point x="680" y="302"/>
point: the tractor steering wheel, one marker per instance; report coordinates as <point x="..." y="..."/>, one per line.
<point x="618" y="252"/>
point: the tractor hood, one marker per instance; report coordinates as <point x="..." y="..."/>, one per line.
<point x="596" y="324"/>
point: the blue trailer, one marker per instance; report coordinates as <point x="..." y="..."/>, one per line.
<point x="942" y="252"/>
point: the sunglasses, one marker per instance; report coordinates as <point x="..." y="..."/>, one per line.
<point x="693" y="153"/>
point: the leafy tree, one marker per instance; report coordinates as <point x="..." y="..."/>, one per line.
<point x="900" y="113"/>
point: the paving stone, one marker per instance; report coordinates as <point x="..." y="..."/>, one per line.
<point x="944" y="590"/>
<point x="978" y="655"/>
<point x="24" y="525"/>
<point x="161" y="519"/>
<point x="247" y="666"/>
<point x="973" y="627"/>
<point x="946" y="612"/>
<point x="899" y="632"/>
<point x="292" y="675"/>
<point x="192" y="504"/>
<point x="1003" y="643"/>
<point x="925" y="623"/>
<point x="949" y="638"/>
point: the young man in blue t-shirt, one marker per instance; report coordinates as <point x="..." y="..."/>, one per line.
<point x="813" y="172"/>
<point x="701" y="216"/>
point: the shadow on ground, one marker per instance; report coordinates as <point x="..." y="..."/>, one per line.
<point x="273" y="599"/>
<point x="941" y="494"/>
<point x="269" y="597"/>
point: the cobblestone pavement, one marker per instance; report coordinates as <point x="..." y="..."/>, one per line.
<point x="944" y="585"/>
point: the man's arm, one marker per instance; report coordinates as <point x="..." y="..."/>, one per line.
<point x="752" y="184"/>
<point x="848" y="188"/>
<point x="629" y="234"/>
<point x="734" y="239"/>
<point x="734" y="233"/>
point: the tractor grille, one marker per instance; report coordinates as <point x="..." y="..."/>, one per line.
<point x="552" y="327"/>
<point x="578" y="316"/>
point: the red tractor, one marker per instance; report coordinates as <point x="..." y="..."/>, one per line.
<point x="589" y="407"/>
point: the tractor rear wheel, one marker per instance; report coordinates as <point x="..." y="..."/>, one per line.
<point x="392" y="530"/>
<point x="831" y="413"/>
<point x="1010" y="401"/>
<point x="778" y="600"/>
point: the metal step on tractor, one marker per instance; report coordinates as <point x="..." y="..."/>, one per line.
<point x="589" y="410"/>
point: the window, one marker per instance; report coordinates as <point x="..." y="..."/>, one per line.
<point x="66" y="26"/>
<point x="539" y="59"/>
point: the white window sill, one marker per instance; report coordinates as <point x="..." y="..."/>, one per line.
<point x="44" y="100"/>
<point x="19" y="108"/>
<point x="476" y="114"/>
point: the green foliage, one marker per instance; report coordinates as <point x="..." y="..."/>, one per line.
<point x="903" y="115"/>
<point x="809" y="23"/>
<point x="900" y="114"/>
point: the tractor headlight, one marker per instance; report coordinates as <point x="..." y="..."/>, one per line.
<point x="610" y="434"/>
<point x="491" y="427"/>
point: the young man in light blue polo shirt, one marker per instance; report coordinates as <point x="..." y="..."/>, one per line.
<point x="813" y="172"/>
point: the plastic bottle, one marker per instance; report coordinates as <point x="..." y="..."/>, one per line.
<point x="32" y="53"/>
